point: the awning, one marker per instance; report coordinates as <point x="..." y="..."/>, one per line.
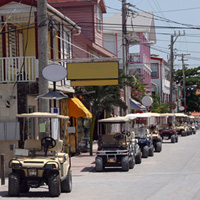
<point x="135" y="105"/>
<point x="77" y="109"/>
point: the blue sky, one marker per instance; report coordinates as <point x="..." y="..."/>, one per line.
<point x="184" y="13"/>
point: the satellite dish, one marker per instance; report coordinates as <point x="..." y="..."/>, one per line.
<point x="181" y="108"/>
<point x="147" y="101"/>
<point x="54" y="72"/>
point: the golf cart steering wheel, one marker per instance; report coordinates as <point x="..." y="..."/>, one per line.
<point x="125" y="132"/>
<point x="118" y="136"/>
<point x="48" y="143"/>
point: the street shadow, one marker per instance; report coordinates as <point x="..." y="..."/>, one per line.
<point x="110" y="169"/>
<point x="3" y="194"/>
<point x="88" y="169"/>
<point x="33" y="193"/>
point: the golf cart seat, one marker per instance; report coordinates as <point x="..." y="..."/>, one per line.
<point x="60" y="146"/>
<point x="32" y="144"/>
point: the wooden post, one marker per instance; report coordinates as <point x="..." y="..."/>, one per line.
<point x="2" y="169"/>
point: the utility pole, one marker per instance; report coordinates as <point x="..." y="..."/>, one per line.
<point x="172" y="65"/>
<point x="125" y="51"/>
<point x="42" y="51"/>
<point x="184" y="88"/>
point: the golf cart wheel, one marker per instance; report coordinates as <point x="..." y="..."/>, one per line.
<point x="158" y="147"/>
<point x="194" y="132"/>
<point x="24" y="188"/>
<point x="131" y="162"/>
<point x="176" y="138"/>
<point x="173" y="139"/>
<point x="99" y="164"/>
<point x="54" y="185"/>
<point x="151" y="151"/>
<point x="183" y="133"/>
<point x="125" y="163"/>
<point x="13" y="185"/>
<point x="138" y="157"/>
<point x="145" y="152"/>
<point x="66" y="184"/>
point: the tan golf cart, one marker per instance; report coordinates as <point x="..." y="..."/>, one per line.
<point x="41" y="161"/>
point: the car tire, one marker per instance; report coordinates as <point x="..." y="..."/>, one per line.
<point x="176" y="138"/>
<point x="13" y="185"/>
<point x="131" y="162"/>
<point x="125" y="163"/>
<point x="66" y="184"/>
<point x="158" y="147"/>
<point x="145" y="152"/>
<point x="99" y="164"/>
<point x="151" y="151"/>
<point x="183" y="133"/>
<point x="24" y="188"/>
<point x="54" y="185"/>
<point x="173" y="139"/>
<point x="138" y="157"/>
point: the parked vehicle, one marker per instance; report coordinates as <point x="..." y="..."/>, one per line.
<point x="116" y="144"/>
<point x="192" y="124"/>
<point x="153" y="132"/>
<point x="41" y="161"/>
<point x="181" y="127"/>
<point x="168" y="130"/>
<point x="145" y="140"/>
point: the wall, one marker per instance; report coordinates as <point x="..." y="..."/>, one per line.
<point x="8" y="94"/>
<point x="83" y="16"/>
<point x="7" y="114"/>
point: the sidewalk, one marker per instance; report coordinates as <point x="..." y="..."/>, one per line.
<point x="83" y="163"/>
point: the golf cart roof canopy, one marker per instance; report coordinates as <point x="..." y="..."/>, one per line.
<point x="138" y="115"/>
<point x="114" y="120"/>
<point x="167" y="114"/>
<point x="180" y="115"/>
<point x="42" y="114"/>
<point x="154" y="114"/>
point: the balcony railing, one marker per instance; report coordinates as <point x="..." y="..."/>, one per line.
<point x="18" y="69"/>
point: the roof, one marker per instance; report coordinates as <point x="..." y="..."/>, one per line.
<point x="18" y="6"/>
<point x="143" y="22"/>
<point x="135" y="105"/>
<point x="137" y="115"/>
<point x="180" y="115"/>
<point x="119" y="119"/>
<point x="41" y="115"/>
<point x="154" y="114"/>
<point x="167" y="114"/>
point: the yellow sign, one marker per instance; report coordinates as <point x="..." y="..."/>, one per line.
<point x="93" y="73"/>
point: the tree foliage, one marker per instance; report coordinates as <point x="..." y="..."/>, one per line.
<point x="192" y="82"/>
<point x="158" y="106"/>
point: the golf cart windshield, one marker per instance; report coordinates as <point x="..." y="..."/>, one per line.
<point x="42" y="131"/>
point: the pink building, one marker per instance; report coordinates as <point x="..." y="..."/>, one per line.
<point x="89" y="16"/>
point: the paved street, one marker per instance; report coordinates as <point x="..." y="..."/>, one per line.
<point x="173" y="174"/>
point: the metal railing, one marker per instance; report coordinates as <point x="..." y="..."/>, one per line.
<point x="18" y="69"/>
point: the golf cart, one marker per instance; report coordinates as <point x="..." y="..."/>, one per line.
<point x="42" y="161"/>
<point x="192" y="124"/>
<point x="167" y="130"/>
<point x="116" y="144"/>
<point x="141" y="133"/>
<point x="181" y="124"/>
<point x="153" y="131"/>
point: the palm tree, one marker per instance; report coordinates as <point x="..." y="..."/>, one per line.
<point x="105" y="98"/>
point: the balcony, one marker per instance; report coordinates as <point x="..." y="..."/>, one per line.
<point x="18" y="69"/>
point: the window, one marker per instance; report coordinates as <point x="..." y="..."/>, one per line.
<point x="154" y="68"/>
<point x="99" y="16"/>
